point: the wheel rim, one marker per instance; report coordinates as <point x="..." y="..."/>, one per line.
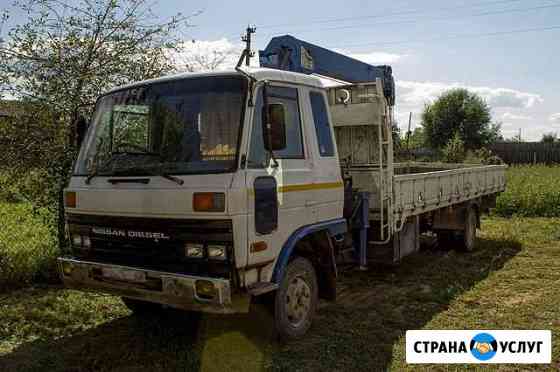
<point x="298" y="301"/>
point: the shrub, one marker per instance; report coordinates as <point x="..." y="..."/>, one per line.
<point x="483" y="156"/>
<point x="454" y="150"/>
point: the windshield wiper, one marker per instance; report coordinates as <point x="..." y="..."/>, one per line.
<point x="95" y="172"/>
<point x="167" y="176"/>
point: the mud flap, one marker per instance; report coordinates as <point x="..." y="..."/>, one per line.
<point x="407" y="241"/>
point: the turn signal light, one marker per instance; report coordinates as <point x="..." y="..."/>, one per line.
<point x="70" y="199"/>
<point x="209" y="202"/>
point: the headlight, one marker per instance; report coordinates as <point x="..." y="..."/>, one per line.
<point x="81" y="241"/>
<point x="77" y="240"/>
<point x="194" y="250"/>
<point x="217" y="252"/>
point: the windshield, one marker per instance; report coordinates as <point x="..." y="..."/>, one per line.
<point x="181" y="127"/>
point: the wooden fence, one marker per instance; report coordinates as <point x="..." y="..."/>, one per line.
<point x="527" y="152"/>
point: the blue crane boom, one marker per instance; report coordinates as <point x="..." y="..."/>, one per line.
<point x="291" y="54"/>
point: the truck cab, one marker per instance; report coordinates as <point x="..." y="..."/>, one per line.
<point x="199" y="191"/>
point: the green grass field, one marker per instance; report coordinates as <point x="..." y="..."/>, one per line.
<point x="532" y="191"/>
<point x="511" y="281"/>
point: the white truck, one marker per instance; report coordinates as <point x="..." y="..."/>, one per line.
<point x="201" y="191"/>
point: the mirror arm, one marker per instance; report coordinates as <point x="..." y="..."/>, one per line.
<point x="265" y="125"/>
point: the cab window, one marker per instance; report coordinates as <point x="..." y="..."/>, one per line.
<point x="288" y="98"/>
<point x="322" y="126"/>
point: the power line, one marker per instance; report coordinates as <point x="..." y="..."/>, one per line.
<point x="413" y="21"/>
<point x="459" y="36"/>
<point x="383" y="15"/>
<point x="386" y="14"/>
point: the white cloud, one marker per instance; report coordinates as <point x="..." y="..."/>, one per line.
<point x="555" y="118"/>
<point x="205" y="55"/>
<point x="376" y="58"/>
<point x="510" y="116"/>
<point x="416" y="93"/>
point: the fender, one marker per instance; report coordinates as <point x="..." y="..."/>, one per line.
<point x="334" y="227"/>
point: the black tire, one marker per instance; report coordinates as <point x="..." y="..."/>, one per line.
<point x="445" y="239"/>
<point x="468" y="236"/>
<point x="139" y="307"/>
<point x="296" y="300"/>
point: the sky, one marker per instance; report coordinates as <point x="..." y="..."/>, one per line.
<point x="508" y="51"/>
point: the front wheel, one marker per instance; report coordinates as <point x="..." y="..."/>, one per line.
<point x="296" y="300"/>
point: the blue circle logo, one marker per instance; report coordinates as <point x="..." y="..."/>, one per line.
<point x="483" y="346"/>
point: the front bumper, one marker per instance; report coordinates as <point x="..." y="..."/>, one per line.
<point x="175" y="290"/>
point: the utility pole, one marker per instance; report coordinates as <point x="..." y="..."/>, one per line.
<point x="247" y="40"/>
<point x="408" y="133"/>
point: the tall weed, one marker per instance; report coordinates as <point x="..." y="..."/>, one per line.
<point x="531" y="191"/>
<point x="28" y="247"/>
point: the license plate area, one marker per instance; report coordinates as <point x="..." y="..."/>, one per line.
<point x="123" y="275"/>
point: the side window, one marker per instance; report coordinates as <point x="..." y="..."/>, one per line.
<point x="322" y="127"/>
<point x="288" y="97"/>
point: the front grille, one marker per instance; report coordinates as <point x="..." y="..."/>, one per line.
<point x="118" y="242"/>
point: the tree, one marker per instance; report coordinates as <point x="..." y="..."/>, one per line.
<point x="62" y="58"/>
<point x="460" y="112"/>
<point x="549" y="137"/>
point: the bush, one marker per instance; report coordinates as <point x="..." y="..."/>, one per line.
<point x="531" y="191"/>
<point x="28" y="247"/>
<point x="454" y="150"/>
<point x="483" y="156"/>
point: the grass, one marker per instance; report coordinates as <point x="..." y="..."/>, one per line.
<point x="27" y="247"/>
<point x="532" y="191"/>
<point x="511" y="281"/>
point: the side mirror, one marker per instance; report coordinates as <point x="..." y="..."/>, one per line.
<point x="81" y="130"/>
<point x="274" y="126"/>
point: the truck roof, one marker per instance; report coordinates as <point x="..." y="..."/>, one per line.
<point x="259" y="73"/>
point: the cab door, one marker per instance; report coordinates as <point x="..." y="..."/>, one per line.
<point x="278" y="191"/>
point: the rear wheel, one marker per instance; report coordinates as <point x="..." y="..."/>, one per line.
<point x="296" y="300"/>
<point x="445" y="239"/>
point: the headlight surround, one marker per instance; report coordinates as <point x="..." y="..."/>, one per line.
<point x="194" y="250"/>
<point x="217" y="252"/>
